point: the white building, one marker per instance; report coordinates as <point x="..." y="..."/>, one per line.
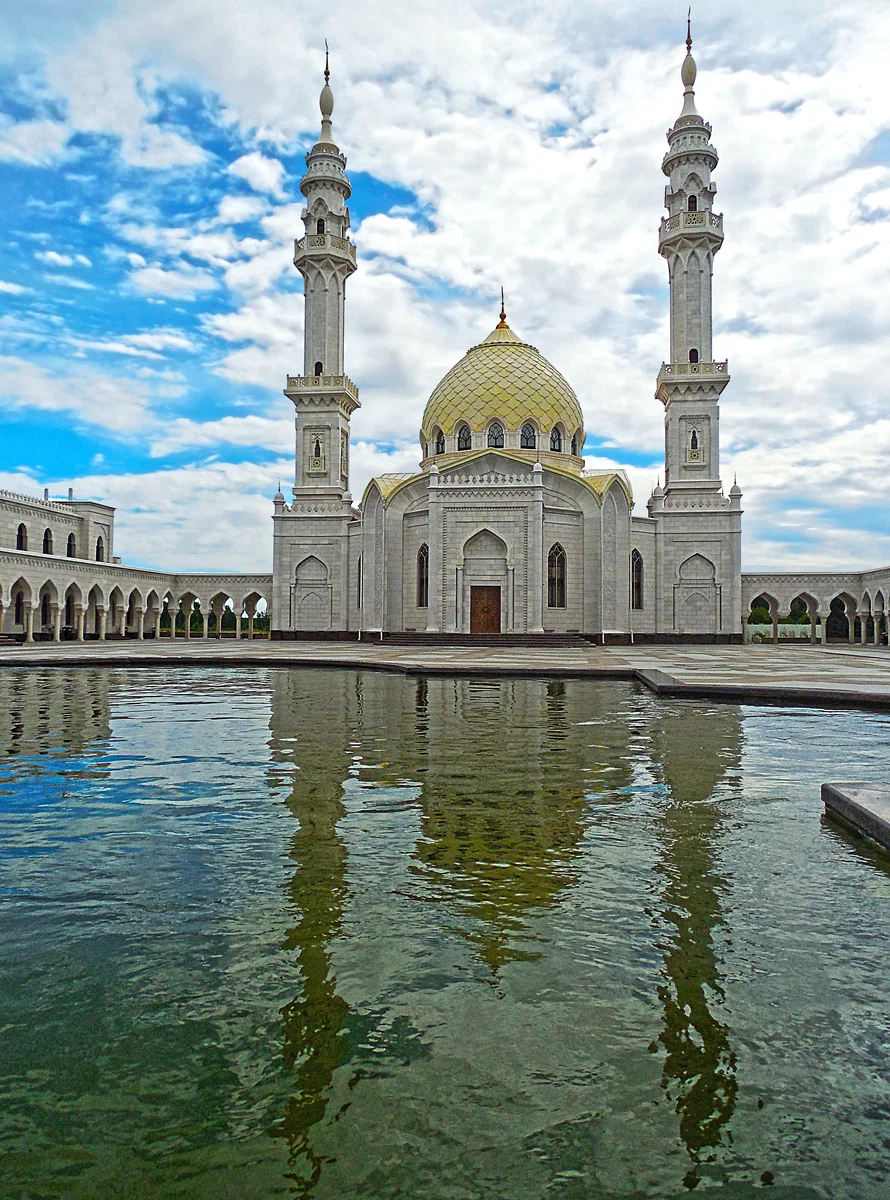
<point x="502" y="530"/>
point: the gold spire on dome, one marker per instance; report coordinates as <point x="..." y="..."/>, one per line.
<point x="503" y="321"/>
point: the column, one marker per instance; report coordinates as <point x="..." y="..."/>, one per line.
<point x="140" y="623"/>
<point x="459" y="599"/>
<point x="238" y="625"/>
<point x="157" y="616"/>
<point x="205" y="617"/>
<point x="511" y="597"/>
<point x="534" y="566"/>
<point x="1" y="616"/>
<point x="56" y="614"/>
<point x="101" y="617"/>
<point x="29" y="622"/>
<point x="79" y="616"/>
<point x="863" y="628"/>
<point x="876" y="629"/>
<point x="435" y="543"/>
<point x="250" y="617"/>
<point x="187" y="615"/>
<point x="825" y="629"/>
<point x="172" y="610"/>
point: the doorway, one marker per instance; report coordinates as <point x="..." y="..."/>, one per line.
<point x="485" y="610"/>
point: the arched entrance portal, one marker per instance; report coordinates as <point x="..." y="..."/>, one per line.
<point x="485" y="582"/>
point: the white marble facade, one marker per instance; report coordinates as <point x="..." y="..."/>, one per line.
<point x="501" y="529"/>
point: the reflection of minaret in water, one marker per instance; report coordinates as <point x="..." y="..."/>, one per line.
<point x="694" y="751"/>
<point x="314" y="1020"/>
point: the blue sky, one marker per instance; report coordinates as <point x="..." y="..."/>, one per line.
<point x="150" y="156"/>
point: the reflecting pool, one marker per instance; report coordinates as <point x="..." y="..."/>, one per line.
<point x="350" y="935"/>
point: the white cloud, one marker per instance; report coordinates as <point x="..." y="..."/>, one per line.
<point x="121" y="406"/>
<point x="54" y="259"/>
<point x="160" y="339"/>
<point x="234" y="210"/>
<point x="182" y="284"/>
<point x="263" y="174"/>
<point x="13" y="289"/>
<point x="36" y="143"/>
<point x="70" y="281"/>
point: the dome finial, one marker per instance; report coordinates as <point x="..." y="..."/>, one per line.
<point x="688" y="31"/>
<point x="688" y="73"/>
<point x="503" y="321"/>
<point x="326" y="101"/>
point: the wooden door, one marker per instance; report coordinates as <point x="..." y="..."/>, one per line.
<point x="485" y="610"/>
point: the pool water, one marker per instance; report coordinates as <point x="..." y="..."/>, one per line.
<point x="338" y="934"/>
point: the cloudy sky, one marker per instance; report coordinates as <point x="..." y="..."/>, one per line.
<point x="151" y="151"/>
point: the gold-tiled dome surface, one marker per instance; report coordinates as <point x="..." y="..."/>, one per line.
<point x="506" y="379"/>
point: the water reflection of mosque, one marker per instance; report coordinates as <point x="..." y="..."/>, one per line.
<point x="503" y="769"/>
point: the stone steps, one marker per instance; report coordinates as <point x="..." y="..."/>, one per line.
<point x="529" y="640"/>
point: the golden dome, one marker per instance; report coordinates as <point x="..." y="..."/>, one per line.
<point x="502" y="379"/>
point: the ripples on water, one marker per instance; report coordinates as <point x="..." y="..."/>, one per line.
<point x="350" y="935"/>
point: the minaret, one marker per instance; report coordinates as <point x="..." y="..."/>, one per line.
<point x="324" y="397"/>
<point x="690" y="384"/>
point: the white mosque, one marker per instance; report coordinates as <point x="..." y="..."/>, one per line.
<point x="501" y="531"/>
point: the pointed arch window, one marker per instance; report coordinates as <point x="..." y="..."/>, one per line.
<point x="574" y="445"/>
<point x="556" y="440"/>
<point x="423" y="576"/>
<point x="527" y="438"/>
<point x="693" y="441"/>
<point x="496" y="436"/>
<point x="47" y="541"/>
<point x="21" y="537"/>
<point x="636" y="580"/>
<point x="556" y="577"/>
<point x="464" y="438"/>
<point x="440" y="442"/>
<point x="319" y="226"/>
<point x="71" y="550"/>
<point x="692" y="204"/>
<point x="100" y="549"/>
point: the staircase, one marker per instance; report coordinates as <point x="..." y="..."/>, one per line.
<point x="541" y="641"/>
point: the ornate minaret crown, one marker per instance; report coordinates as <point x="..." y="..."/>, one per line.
<point x="689" y="385"/>
<point x="323" y="395"/>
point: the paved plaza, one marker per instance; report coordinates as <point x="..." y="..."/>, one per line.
<point x="815" y="675"/>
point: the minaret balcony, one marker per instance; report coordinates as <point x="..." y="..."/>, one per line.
<point x="683" y="223"/>
<point x="673" y="370"/>
<point x="327" y="243"/>
<point x="321" y="383"/>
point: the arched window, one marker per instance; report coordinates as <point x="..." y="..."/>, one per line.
<point x="21" y="538"/>
<point x="693" y="441"/>
<point x="319" y="369"/>
<point x="423" y="576"/>
<point x="496" y="436"/>
<point x="556" y="577"/>
<point x="527" y="439"/>
<point x="556" y="440"/>
<point x="636" y="580"/>
<point x="574" y="445"/>
<point x="317" y="451"/>
<point x="100" y="549"/>
<point x="319" y="225"/>
<point x="693" y="355"/>
<point x="72" y="546"/>
<point x="440" y="442"/>
<point x="692" y="204"/>
<point x="47" y="541"/>
<point x="44" y="609"/>
<point x="464" y="438"/>
<point x="19" y="609"/>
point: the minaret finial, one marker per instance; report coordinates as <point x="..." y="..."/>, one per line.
<point x="688" y="31"/>
<point x="503" y="320"/>
<point x="326" y="101"/>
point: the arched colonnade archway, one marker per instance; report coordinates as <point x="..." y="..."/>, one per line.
<point x="848" y="609"/>
<point x="59" y="607"/>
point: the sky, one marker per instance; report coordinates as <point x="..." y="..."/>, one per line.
<point x="150" y="159"/>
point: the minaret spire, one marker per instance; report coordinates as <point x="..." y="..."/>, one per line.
<point x="503" y="321"/>
<point x="326" y="102"/>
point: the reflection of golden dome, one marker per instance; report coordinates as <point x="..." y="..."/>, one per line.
<point x="502" y="379"/>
